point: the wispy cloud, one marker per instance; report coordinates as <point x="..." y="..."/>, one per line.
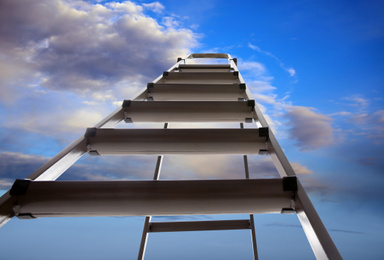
<point x="155" y="7"/>
<point x="341" y="113"/>
<point x="357" y="101"/>
<point x="291" y="71"/>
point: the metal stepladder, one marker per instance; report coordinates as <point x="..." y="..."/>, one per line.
<point x="187" y="92"/>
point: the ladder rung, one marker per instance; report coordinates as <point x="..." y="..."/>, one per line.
<point x="175" y="141"/>
<point x="204" y="68"/>
<point x="188" y="111"/>
<point x="198" y="225"/>
<point x="149" y="198"/>
<point x="200" y="77"/>
<point x="209" y="56"/>
<point x="225" y="92"/>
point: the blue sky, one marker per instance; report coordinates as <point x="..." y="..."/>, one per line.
<point x="314" y="67"/>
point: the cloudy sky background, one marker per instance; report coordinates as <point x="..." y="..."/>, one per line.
<point x="314" y="67"/>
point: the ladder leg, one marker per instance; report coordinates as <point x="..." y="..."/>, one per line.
<point x="147" y="220"/>
<point x="144" y="237"/>
<point x="253" y="235"/>
<point x="251" y="219"/>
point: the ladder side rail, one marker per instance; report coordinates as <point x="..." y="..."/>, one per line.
<point x="278" y="157"/>
<point x="6" y="212"/>
<point x="321" y="242"/>
<point x="147" y="221"/>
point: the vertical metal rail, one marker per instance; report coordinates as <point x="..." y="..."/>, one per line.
<point x="147" y="221"/>
<point x="253" y="235"/>
<point x="251" y="219"/>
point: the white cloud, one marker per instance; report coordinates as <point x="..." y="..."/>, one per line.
<point x="341" y="113"/>
<point x="291" y="71"/>
<point x="72" y="61"/>
<point x="254" y="47"/>
<point x="127" y="7"/>
<point x="311" y="130"/>
<point x="170" y="22"/>
<point x="254" y="67"/>
<point x="379" y="116"/>
<point x="83" y="47"/>
<point x="155" y="7"/>
<point x="82" y="118"/>
<point x="301" y="169"/>
<point x="357" y="101"/>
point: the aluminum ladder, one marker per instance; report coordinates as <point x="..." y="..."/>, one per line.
<point x="187" y="92"/>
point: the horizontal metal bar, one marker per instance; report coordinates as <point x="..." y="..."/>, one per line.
<point x="150" y="198"/>
<point x="188" y="111"/>
<point x="204" y="68"/>
<point x="200" y="77"/>
<point x="175" y="141"/>
<point x="199" y="225"/>
<point x="184" y="92"/>
<point x="209" y="55"/>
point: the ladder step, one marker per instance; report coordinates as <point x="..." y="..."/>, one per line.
<point x="184" y="92"/>
<point x="200" y="77"/>
<point x="199" y="225"/>
<point x="149" y="198"/>
<point x="188" y="111"/>
<point x="208" y="56"/>
<point x="176" y="141"/>
<point x="204" y="68"/>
